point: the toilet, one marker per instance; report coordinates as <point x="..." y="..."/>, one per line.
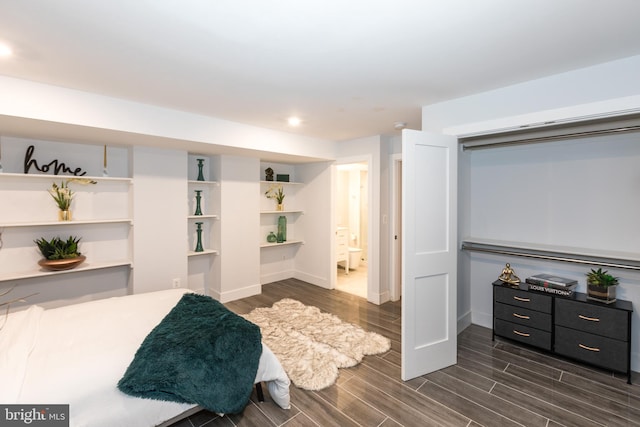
<point x="354" y="257"/>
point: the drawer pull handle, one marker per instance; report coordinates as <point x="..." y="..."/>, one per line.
<point x="521" y="299"/>
<point x="522" y="334"/>
<point x="588" y="348"/>
<point x="520" y="316"/>
<point x="591" y="319"/>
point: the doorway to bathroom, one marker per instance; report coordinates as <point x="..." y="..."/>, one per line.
<point x="352" y="220"/>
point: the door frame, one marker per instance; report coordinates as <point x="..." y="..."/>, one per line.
<point x="395" y="229"/>
<point x="373" y="286"/>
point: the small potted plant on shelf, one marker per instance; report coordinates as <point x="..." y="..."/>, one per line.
<point x="63" y="196"/>
<point x="60" y="254"/>
<point x="276" y="192"/>
<point x="601" y="286"/>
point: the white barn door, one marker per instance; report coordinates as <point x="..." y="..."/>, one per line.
<point x="429" y="266"/>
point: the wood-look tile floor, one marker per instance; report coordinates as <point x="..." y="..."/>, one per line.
<point x="494" y="383"/>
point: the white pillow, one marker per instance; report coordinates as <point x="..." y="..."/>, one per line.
<point x="17" y="339"/>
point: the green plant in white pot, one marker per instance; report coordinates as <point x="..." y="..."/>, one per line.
<point x="601" y="286"/>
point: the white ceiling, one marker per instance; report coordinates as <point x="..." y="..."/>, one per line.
<point x="347" y="68"/>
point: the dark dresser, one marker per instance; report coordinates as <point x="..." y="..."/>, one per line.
<point x="574" y="327"/>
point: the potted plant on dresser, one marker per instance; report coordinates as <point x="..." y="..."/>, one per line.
<point x="601" y="286"/>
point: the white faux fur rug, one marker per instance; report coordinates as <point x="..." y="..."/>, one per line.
<point x="312" y="345"/>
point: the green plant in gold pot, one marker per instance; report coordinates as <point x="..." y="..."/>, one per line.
<point x="63" y="196"/>
<point x="60" y="254"/>
<point x="601" y="286"/>
<point x="277" y="193"/>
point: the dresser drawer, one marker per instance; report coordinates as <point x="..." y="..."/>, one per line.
<point x="530" y="300"/>
<point x="601" y="320"/>
<point x="595" y="349"/>
<point x="523" y="316"/>
<point x="522" y="333"/>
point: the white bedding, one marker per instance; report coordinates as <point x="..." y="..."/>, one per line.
<point x="76" y="354"/>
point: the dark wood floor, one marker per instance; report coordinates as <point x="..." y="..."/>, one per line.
<point x="493" y="384"/>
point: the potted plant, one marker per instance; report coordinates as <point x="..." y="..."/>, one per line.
<point x="276" y="192"/>
<point x="60" y="254"/>
<point x="63" y="196"/>
<point x="601" y="286"/>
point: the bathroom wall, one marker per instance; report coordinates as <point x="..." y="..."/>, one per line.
<point x="364" y="214"/>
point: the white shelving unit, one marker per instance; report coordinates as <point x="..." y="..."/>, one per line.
<point x="207" y="205"/>
<point x="101" y="212"/>
<point x="277" y="260"/>
<point x="269" y="215"/>
<point x="203" y="265"/>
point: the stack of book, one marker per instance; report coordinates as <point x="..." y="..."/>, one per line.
<point x="551" y="284"/>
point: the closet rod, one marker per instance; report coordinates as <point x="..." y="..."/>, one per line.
<point x="552" y="256"/>
<point x="551" y="138"/>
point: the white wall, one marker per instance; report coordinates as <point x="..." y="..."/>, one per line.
<point x="159" y="217"/>
<point x="240" y="228"/>
<point x="600" y="90"/>
<point x="342" y="198"/>
<point x="572" y="193"/>
<point x="313" y="259"/>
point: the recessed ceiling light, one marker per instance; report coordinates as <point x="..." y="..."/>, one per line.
<point x="5" y="50"/>
<point x="294" y="121"/>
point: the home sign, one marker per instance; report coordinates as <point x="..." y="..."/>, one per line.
<point x="55" y="165"/>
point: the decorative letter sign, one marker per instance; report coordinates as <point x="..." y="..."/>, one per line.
<point x="55" y="164"/>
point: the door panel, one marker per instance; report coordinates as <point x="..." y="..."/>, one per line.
<point x="429" y="218"/>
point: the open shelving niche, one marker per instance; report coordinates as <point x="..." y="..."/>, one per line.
<point x="102" y="214"/>
<point x="269" y="216"/>
<point x="202" y="265"/>
<point x="277" y="260"/>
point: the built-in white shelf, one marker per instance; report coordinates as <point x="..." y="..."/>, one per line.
<point x="204" y="266"/>
<point x="202" y="216"/>
<point x="281" y="212"/>
<point x="193" y="181"/>
<point x="60" y="177"/>
<point x="282" y="182"/>
<point x="65" y="223"/>
<point x="288" y="242"/>
<point x="205" y="252"/>
<point x="85" y="266"/>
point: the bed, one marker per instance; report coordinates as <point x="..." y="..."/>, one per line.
<point x="77" y="354"/>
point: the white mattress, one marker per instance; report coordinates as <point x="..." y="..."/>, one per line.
<point x="76" y="354"/>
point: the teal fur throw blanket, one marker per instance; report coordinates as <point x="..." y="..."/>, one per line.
<point x="200" y="353"/>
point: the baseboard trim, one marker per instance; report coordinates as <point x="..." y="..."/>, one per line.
<point x="236" y="294"/>
<point x="464" y="321"/>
